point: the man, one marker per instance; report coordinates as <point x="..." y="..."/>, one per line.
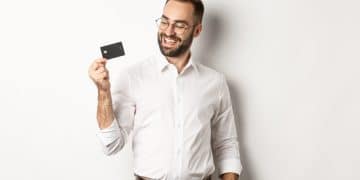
<point x="177" y="110"/>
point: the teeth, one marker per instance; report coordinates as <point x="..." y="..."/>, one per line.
<point x="168" y="40"/>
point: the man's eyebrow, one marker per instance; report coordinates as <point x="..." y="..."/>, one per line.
<point x="163" y="16"/>
<point x="176" y="21"/>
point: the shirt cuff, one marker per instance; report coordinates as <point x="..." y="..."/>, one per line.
<point x="230" y="166"/>
<point x="109" y="134"/>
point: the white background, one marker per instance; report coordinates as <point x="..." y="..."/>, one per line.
<point x="292" y="67"/>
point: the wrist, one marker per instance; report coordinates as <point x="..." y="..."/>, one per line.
<point x="104" y="97"/>
<point x="103" y="89"/>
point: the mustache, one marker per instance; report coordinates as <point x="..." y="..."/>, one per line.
<point x="162" y="35"/>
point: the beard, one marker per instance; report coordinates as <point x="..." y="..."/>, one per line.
<point x="184" y="45"/>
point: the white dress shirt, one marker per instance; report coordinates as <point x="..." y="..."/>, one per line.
<point x="175" y="120"/>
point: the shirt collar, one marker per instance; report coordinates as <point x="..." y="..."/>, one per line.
<point x="162" y="63"/>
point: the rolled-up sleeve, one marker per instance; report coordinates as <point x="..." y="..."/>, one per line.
<point x="224" y="135"/>
<point x="114" y="137"/>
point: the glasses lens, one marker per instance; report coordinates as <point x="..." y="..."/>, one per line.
<point x="163" y="24"/>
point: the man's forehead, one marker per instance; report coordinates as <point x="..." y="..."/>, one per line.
<point x="176" y="10"/>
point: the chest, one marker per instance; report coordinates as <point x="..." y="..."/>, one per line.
<point x="191" y="98"/>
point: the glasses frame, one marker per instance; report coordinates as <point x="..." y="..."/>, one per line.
<point x="158" y="22"/>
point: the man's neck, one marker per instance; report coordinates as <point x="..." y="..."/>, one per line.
<point x="180" y="61"/>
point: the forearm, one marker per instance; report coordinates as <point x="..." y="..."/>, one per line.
<point x="229" y="176"/>
<point x="105" y="114"/>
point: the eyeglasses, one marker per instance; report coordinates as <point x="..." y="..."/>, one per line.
<point x="179" y="27"/>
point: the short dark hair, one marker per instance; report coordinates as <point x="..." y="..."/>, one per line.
<point x="198" y="8"/>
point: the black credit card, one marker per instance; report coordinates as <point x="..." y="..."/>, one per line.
<point x="112" y="50"/>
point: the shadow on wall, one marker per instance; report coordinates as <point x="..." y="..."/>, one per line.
<point x="209" y="44"/>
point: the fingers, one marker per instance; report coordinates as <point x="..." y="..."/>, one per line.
<point x="99" y="76"/>
<point x="98" y="71"/>
<point x="97" y="64"/>
<point x="101" y="62"/>
<point x="102" y="74"/>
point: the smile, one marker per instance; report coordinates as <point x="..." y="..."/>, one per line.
<point x="169" y="42"/>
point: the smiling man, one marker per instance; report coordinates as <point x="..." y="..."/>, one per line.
<point x="178" y="112"/>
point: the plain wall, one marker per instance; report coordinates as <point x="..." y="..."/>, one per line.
<point x="292" y="67"/>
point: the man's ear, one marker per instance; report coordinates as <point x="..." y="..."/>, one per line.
<point x="198" y="29"/>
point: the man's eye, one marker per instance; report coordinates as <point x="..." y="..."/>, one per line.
<point x="180" y="26"/>
<point x="164" y="22"/>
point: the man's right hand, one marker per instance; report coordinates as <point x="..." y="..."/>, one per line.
<point x="99" y="74"/>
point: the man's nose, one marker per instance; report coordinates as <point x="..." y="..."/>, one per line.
<point x="170" y="30"/>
